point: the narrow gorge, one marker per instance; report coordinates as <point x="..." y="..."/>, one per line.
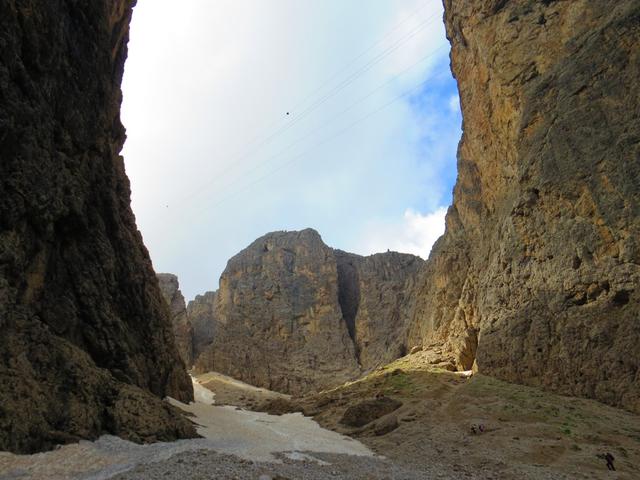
<point x="531" y="294"/>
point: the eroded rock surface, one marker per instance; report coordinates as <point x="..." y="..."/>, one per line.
<point x="294" y="315"/>
<point x="182" y="329"/>
<point x="375" y="295"/>
<point x="279" y="321"/>
<point x="202" y="315"/>
<point x="86" y="345"/>
<point x="537" y="277"/>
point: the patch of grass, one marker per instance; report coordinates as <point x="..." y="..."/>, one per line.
<point x="399" y="382"/>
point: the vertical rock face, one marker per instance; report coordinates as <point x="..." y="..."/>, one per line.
<point x="201" y="312"/>
<point x="375" y="300"/>
<point x="279" y="321"/>
<point x="182" y="329"/>
<point x="193" y="325"/>
<point x="293" y="314"/>
<point x="86" y="344"/>
<point x="537" y="276"/>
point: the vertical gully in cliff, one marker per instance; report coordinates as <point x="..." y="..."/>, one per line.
<point x="349" y="296"/>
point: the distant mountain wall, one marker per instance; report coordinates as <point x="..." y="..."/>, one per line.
<point x="294" y="315"/>
<point x="182" y="329"/>
<point x="193" y="325"/>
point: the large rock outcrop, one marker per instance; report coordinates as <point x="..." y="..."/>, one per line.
<point x="537" y="277"/>
<point x="194" y="324"/>
<point x="182" y="330"/>
<point x="86" y="345"/>
<point x="202" y="315"/>
<point x="294" y="315"/>
<point x="279" y="321"/>
<point x="375" y="295"/>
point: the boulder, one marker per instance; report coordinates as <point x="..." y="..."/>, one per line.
<point x="367" y="411"/>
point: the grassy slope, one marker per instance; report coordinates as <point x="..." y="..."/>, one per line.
<point x="529" y="433"/>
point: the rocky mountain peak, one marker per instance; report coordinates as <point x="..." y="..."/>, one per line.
<point x="293" y="314"/>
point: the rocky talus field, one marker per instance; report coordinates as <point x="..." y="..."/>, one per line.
<point x="86" y="345"/>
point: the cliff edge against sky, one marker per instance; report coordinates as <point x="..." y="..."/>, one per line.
<point x="86" y="344"/>
<point x="536" y="278"/>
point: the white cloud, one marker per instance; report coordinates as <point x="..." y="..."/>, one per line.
<point x="206" y="83"/>
<point x="414" y="233"/>
<point x="454" y="104"/>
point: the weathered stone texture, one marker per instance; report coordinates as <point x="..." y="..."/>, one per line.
<point x="182" y="329"/>
<point x="85" y="335"/>
<point x="279" y="321"/>
<point x="201" y="312"/>
<point x="375" y="298"/>
<point x="536" y="278"/>
<point x="294" y="315"/>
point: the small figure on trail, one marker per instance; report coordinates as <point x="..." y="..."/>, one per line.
<point x="609" y="458"/>
<point x="481" y="428"/>
<point x="473" y="429"/>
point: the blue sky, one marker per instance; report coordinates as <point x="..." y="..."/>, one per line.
<point x="365" y="155"/>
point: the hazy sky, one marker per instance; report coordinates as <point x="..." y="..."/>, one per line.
<point x="249" y="116"/>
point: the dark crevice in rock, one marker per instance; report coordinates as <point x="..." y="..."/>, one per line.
<point x="621" y="298"/>
<point x="348" y="294"/>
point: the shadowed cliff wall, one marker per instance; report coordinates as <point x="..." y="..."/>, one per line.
<point x="86" y="345"/>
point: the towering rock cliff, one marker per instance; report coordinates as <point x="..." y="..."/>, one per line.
<point x="202" y="315"/>
<point x="537" y="277"/>
<point x="374" y="294"/>
<point x="279" y="321"/>
<point x="293" y="314"/>
<point x="182" y="330"/>
<point x="193" y="325"/>
<point x="86" y="345"/>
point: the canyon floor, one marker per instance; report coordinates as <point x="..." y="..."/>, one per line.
<point x="527" y="433"/>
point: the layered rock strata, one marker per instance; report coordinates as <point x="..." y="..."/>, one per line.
<point x="294" y="315"/>
<point x="536" y="279"/>
<point x="86" y="345"/>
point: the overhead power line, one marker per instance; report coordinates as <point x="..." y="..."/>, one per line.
<point x="331" y="121"/>
<point x="341" y="86"/>
<point x="315" y="105"/>
<point x="348" y="65"/>
<point x="312" y="148"/>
